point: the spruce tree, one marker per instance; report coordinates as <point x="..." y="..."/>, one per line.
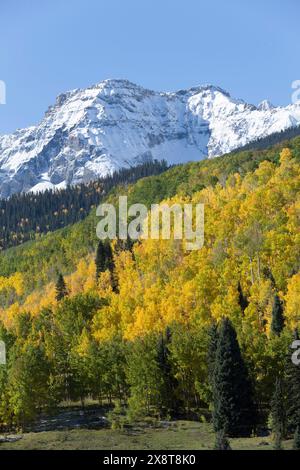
<point x="278" y="415"/>
<point x="100" y="259"/>
<point x="277" y="316"/>
<point x="243" y="301"/>
<point x="109" y="259"/>
<point x="269" y="275"/>
<point x="61" y="288"/>
<point x="234" y="410"/>
<point x="110" y="265"/>
<point x="292" y="385"/>
<point x="169" y="402"/>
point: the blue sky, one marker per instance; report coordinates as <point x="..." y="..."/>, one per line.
<point x="249" y="47"/>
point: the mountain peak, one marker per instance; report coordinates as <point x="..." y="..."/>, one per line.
<point x="200" y="89"/>
<point x="114" y="84"/>
<point x="265" y="105"/>
<point x="92" y="132"/>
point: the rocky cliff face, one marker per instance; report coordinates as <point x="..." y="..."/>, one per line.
<point x="114" y="124"/>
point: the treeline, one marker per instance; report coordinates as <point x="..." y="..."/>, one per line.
<point x="24" y="216"/>
<point x="273" y="139"/>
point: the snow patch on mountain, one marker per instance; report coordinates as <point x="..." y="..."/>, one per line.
<point x="92" y="132"/>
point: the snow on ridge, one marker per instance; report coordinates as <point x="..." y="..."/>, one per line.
<point x="92" y="132"/>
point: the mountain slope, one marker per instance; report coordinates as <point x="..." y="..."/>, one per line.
<point x="92" y="132"/>
<point x="38" y="260"/>
<point x="26" y="216"/>
<point x="156" y="296"/>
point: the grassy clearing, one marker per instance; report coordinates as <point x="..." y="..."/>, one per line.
<point x="171" y="436"/>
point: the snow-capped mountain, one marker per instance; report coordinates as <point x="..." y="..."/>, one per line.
<point x="91" y="132"/>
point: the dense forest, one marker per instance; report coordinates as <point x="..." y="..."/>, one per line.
<point x="159" y="331"/>
<point x="25" y="216"/>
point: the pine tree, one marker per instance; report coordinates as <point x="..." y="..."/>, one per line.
<point x="269" y="275"/>
<point x="243" y="301"/>
<point x="292" y="385"/>
<point x="109" y="259"/>
<point x="222" y="443"/>
<point x="278" y="415"/>
<point x="169" y="403"/>
<point x="100" y="259"/>
<point x="61" y="288"/>
<point x="110" y="265"/>
<point x="104" y="260"/>
<point x="123" y="245"/>
<point x="296" y="444"/>
<point x="234" y="410"/>
<point x="277" y="316"/>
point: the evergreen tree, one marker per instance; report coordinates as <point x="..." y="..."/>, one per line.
<point x="109" y="259"/>
<point x="100" y="259"/>
<point x="110" y="265"/>
<point x="277" y="316"/>
<point x="222" y="443"/>
<point x="234" y="411"/>
<point x="169" y="403"/>
<point x="105" y="261"/>
<point x="243" y="301"/>
<point x="269" y="275"/>
<point x="278" y="414"/>
<point x="292" y="385"/>
<point x="123" y="245"/>
<point x="296" y="444"/>
<point x="61" y="288"/>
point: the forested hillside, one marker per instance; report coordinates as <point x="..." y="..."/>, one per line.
<point x="60" y="250"/>
<point x="147" y="327"/>
<point x="27" y="216"/>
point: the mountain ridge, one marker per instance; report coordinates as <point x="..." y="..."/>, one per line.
<point x="94" y="131"/>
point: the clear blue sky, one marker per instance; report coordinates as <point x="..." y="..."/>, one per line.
<point x="249" y="47"/>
